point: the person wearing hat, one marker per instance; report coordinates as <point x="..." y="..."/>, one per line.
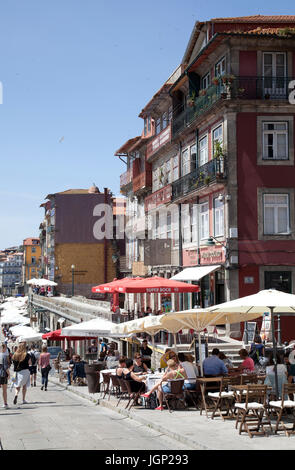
<point x="4" y="372"/>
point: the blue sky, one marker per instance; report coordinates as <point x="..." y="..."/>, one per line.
<point x="75" y="76"/>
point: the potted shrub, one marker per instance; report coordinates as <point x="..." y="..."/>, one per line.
<point x="203" y="92"/>
<point x="207" y="180"/>
<point x="215" y="81"/>
<point x="191" y="99"/>
<point x="227" y="79"/>
<point x="240" y="92"/>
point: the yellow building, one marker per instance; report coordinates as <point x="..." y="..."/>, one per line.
<point x="32" y="257"/>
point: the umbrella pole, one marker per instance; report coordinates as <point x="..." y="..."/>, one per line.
<point x="200" y="353"/>
<point x="153" y="357"/>
<point x="274" y="348"/>
<point x="174" y="340"/>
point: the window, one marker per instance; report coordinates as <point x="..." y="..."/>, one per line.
<point x="169" y="232"/>
<point x="158" y="126"/>
<point x="275" y="140"/>
<point x="162" y="224"/>
<point x="165" y="120"/>
<point x="194" y="222"/>
<point x="218" y="218"/>
<point x="33" y="260"/>
<point x="204" y="220"/>
<point x="206" y="81"/>
<point x="33" y="249"/>
<point x="276" y="214"/>
<point x="193" y="152"/>
<point x="203" y="150"/>
<point x="155" y="179"/>
<point x="168" y="175"/>
<point x="185" y="162"/>
<point x="220" y="67"/>
<point x="216" y="137"/>
<point x="186" y="224"/>
<point x="175" y="225"/>
<point x="175" y="172"/>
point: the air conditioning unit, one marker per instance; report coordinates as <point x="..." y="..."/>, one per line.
<point x="234" y="259"/>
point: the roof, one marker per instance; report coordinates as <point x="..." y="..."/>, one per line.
<point x="256" y="19"/>
<point x="125" y="148"/>
<point x="29" y="241"/>
<point x="70" y="191"/>
<point x="164" y="91"/>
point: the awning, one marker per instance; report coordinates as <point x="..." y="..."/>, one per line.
<point x="195" y="274"/>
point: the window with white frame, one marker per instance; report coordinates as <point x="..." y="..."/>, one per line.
<point x="186" y="223"/>
<point x="206" y="81"/>
<point x="162" y="224"/>
<point x="220" y="67"/>
<point x="169" y="225"/>
<point x="175" y="226"/>
<point x="194" y="222"/>
<point x="168" y="174"/>
<point x="155" y="179"/>
<point x="185" y="162"/>
<point x="158" y="126"/>
<point x="193" y="153"/>
<point x="216" y="137"/>
<point x="218" y="218"/>
<point x="275" y="141"/>
<point x="175" y="170"/>
<point x="276" y="214"/>
<point x="204" y="220"/>
<point x="203" y="150"/>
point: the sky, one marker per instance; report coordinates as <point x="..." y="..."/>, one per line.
<point x="75" y="75"/>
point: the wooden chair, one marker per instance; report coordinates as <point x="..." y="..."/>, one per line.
<point x="193" y="394"/>
<point x="224" y="399"/>
<point x="123" y="389"/>
<point x="176" y="394"/>
<point x="114" y="386"/>
<point x="106" y="384"/>
<point x="252" y="412"/>
<point x="248" y="379"/>
<point x="133" y="396"/>
<point x="281" y="406"/>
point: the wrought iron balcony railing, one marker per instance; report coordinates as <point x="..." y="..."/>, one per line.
<point x="200" y="177"/>
<point x="243" y="88"/>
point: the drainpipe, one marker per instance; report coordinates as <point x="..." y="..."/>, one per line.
<point x="105" y="239"/>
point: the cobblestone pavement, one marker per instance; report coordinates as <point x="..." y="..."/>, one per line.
<point x="60" y="420"/>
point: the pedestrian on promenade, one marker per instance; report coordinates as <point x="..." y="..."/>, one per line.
<point x="44" y="366"/>
<point x="4" y="372"/>
<point x="33" y="367"/>
<point x="21" y="362"/>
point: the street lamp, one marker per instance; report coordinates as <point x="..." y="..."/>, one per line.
<point x="73" y="273"/>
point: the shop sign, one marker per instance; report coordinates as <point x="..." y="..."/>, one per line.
<point x="212" y="255"/>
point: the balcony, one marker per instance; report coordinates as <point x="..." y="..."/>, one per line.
<point x="142" y="182"/>
<point x="125" y="178"/>
<point x="158" y="142"/>
<point x="212" y="171"/>
<point x="235" y="88"/>
<point x="162" y="196"/>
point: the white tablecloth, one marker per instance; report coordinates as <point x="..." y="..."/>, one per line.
<point x="152" y="379"/>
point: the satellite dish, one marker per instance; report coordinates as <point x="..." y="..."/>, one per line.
<point x="292" y="357"/>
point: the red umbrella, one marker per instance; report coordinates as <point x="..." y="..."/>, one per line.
<point x="158" y="285"/>
<point x="56" y="336"/>
<point x="111" y="287"/>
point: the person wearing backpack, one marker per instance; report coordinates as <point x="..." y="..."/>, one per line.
<point x="257" y="350"/>
<point x="33" y="366"/>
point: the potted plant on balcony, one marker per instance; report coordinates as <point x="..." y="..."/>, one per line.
<point x="207" y="180"/>
<point x="227" y="81"/>
<point x="218" y="155"/>
<point x="240" y="92"/>
<point x="191" y="99"/>
<point x="203" y="92"/>
<point x="215" y="81"/>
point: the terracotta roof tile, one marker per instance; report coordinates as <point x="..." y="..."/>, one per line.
<point x="257" y="19"/>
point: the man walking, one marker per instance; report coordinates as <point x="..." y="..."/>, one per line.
<point x="4" y="372"/>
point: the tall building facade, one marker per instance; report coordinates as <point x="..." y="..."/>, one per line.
<point x="220" y="157"/>
<point x="32" y="259"/>
<point x="78" y="250"/>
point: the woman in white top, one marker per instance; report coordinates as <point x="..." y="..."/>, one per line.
<point x="191" y="372"/>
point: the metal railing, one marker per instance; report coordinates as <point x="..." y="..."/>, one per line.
<point x="200" y="177"/>
<point x="245" y="88"/>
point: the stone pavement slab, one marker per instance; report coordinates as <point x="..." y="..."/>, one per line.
<point x="191" y="428"/>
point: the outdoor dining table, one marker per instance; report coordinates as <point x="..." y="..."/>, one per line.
<point x="106" y="371"/>
<point x="204" y="382"/>
<point x="152" y="379"/>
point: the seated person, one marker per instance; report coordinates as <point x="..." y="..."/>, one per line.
<point x="174" y="371"/>
<point x="137" y="384"/>
<point x="79" y="368"/>
<point x="111" y="359"/>
<point x="139" y="366"/>
<point x="226" y="360"/>
<point x="71" y="368"/>
<point x="191" y="371"/>
<point x="121" y="366"/>
<point x="213" y="366"/>
<point x="247" y="364"/>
